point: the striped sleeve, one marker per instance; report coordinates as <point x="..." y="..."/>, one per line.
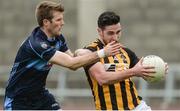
<point x="133" y="58"/>
<point x="93" y="49"/>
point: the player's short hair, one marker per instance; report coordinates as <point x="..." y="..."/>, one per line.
<point x="108" y="18"/>
<point x="45" y="11"/>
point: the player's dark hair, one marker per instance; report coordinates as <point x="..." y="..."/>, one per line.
<point x="45" y="11"/>
<point x="108" y="18"/>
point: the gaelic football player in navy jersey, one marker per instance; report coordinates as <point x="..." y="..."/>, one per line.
<point x="44" y="46"/>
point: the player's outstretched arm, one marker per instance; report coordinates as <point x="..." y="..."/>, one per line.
<point x="73" y="63"/>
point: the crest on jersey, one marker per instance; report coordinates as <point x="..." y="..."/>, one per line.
<point x="116" y="66"/>
<point x="44" y="45"/>
<point x="115" y="58"/>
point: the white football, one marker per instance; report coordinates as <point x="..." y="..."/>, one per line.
<point x="158" y="63"/>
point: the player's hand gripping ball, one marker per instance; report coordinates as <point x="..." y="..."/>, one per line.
<point x="159" y="64"/>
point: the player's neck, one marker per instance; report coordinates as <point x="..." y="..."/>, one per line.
<point x="102" y="41"/>
<point x="49" y="36"/>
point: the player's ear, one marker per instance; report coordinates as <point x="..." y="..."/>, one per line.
<point x="99" y="31"/>
<point x="46" y="22"/>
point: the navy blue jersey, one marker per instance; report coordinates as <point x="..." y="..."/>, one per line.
<point x="31" y="65"/>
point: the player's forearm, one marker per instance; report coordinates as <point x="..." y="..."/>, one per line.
<point x="114" y="77"/>
<point x="73" y="63"/>
<point x="80" y="61"/>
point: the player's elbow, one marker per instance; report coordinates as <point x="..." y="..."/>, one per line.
<point x="73" y="68"/>
<point x="102" y="80"/>
<point x="72" y="65"/>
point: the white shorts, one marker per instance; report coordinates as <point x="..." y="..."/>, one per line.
<point x="142" y="107"/>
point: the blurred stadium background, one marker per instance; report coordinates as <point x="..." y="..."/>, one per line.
<point x="149" y="27"/>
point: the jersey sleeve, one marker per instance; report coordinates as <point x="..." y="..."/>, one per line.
<point x="133" y="58"/>
<point x="93" y="49"/>
<point x="42" y="49"/>
<point x="64" y="46"/>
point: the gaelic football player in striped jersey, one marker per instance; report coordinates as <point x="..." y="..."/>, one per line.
<point x="110" y="77"/>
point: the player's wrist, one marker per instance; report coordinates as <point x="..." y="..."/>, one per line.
<point x="101" y="53"/>
<point x="132" y="72"/>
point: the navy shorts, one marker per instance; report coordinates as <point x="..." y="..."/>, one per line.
<point x="45" y="101"/>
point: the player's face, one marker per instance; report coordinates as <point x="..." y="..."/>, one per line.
<point x="110" y="33"/>
<point x="56" y="24"/>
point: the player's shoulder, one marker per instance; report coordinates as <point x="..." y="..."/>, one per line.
<point x="93" y="46"/>
<point x="61" y="38"/>
<point x="131" y="54"/>
<point x="96" y="43"/>
<point x="129" y="51"/>
<point x="37" y="40"/>
<point x="37" y="35"/>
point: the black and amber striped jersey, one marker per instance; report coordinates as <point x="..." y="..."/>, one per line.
<point x="121" y="95"/>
